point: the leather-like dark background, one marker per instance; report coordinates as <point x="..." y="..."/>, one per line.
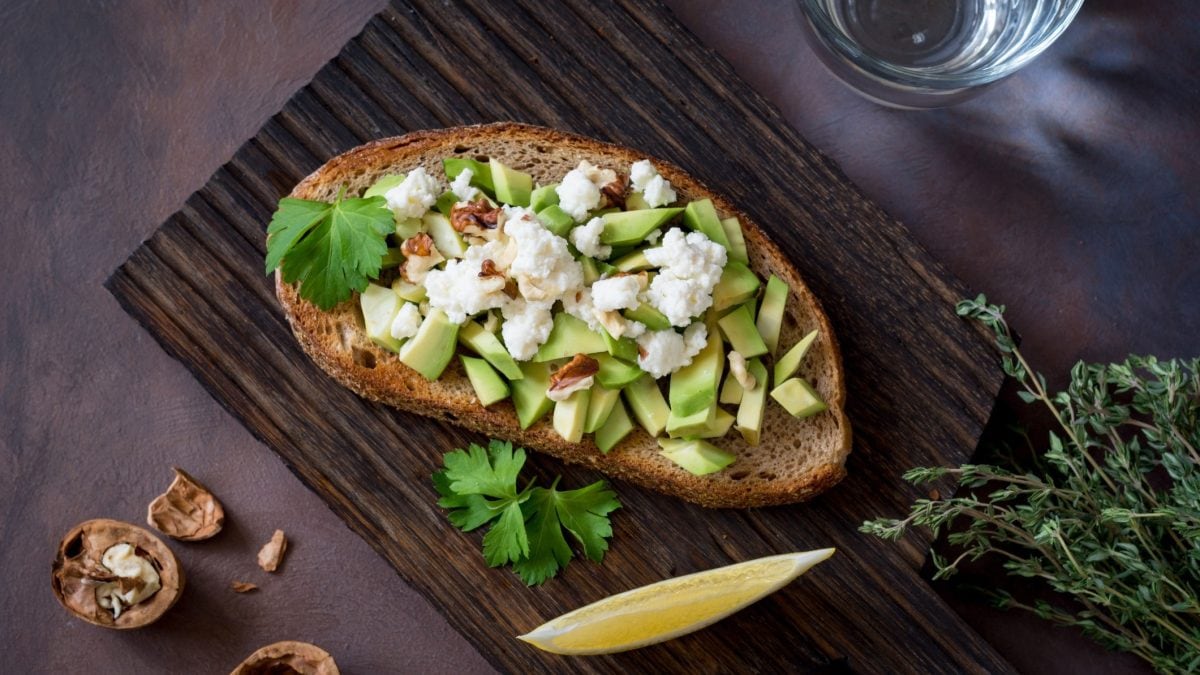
<point x="1069" y="192"/>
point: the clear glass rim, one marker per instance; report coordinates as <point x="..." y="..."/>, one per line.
<point x="835" y="39"/>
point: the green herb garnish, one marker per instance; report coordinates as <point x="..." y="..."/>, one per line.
<point x="1108" y="517"/>
<point x="331" y="249"/>
<point x="479" y="486"/>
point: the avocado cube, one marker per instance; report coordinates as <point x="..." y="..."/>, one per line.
<point x="569" y="337"/>
<point x="447" y="240"/>
<point x="615" y="373"/>
<point x="489" y="386"/>
<point x="529" y="393"/>
<point x="600" y="406"/>
<point x="717" y="427"/>
<point x="694" y="386"/>
<point x="481" y="172"/>
<point x="590" y="271"/>
<point x="540" y="198"/>
<point x="616" y="428"/>
<point x="632" y="262"/>
<point x="738" y="327"/>
<point x="696" y="456"/>
<point x="430" y="350"/>
<point x="789" y="363"/>
<point x="737" y="243"/>
<point x="487" y="345"/>
<point x="623" y="348"/>
<point x="750" y="412"/>
<point x="384" y="183"/>
<point x="798" y="397"/>
<point x="693" y="425"/>
<point x="635" y="202"/>
<point x="731" y="391"/>
<point x="445" y="203"/>
<point x="701" y="216"/>
<point x="648" y="315"/>
<point x="623" y="228"/>
<point x="648" y="405"/>
<point x="570" y="415"/>
<point x="556" y="220"/>
<point x="737" y="284"/>
<point x="408" y="227"/>
<point x="409" y="291"/>
<point x="770" y="312"/>
<point x="512" y="187"/>
<point x="392" y="258"/>
<point x="379" y="306"/>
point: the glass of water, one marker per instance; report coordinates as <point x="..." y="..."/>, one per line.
<point x="931" y="53"/>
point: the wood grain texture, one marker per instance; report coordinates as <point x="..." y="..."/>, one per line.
<point x="921" y="382"/>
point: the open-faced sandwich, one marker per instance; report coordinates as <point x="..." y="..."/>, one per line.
<point x="574" y="297"/>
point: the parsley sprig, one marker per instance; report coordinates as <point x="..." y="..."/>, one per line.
<point x="1108" y="517"/>
<point x="331" y="249"/>
<point x="479" y="486"/>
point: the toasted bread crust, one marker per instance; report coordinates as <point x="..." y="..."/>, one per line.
<point x="778" y="472"/>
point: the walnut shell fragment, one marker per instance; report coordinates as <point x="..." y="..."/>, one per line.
<point x="243" y="586"/>
<point x="78" y="574"/>
<point x="187" y="511"/>
<point x="271" y="554"/>
<point x="288" y="657"/>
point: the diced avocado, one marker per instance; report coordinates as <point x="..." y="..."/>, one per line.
<point x="449" y="242"/>
<point x="717" y="426"/>
<point x="605" y="269"/>
<point x="632" y="262"/>
<point x="481" y="172"/>
<point x="635" y="202"/>
<point x="694" y="386"/>
<point x="409" y="291"/>
<point x="570" y="415"/>
<point x="701" y="216"/>
<point x="789" y="363"/>
<point x="408" y="227"/>
<point x="600" y="406"/>
<point x="569" y="337"/>
<point x="750" y="412"/>
<point x="512" y="187"/>
<point x="623" y="348"/>
<point x="798" y="397"/>
<point x="731" y="391"/>
<point x="615" y="373"/>
<point x="489" y="386"/>
<point x="488" y="346"/>
<point x="529" y="393"/>
<point x="737" y="243"/>
<point x="679" y="426"/>
<point x="631" y="227"/>
<point x="392" y="258"/>
<point x="696" y="456"/>
<point x="385" y="183"/>
<point x="446" y="203"/>
<point x="738" y="284"/>
<point x="379" y="308"/>
<point x="540" y="198"/>
<point x="556" y="220"/>
<point x="590" y="272"/>
<point x="648" y="404"/>
<point x="654" y="319"/>
<point x="430" y="350"/>
<point x="770" y="312"/>
<point x="738" y="327"/>
<point x="616" y="428"/>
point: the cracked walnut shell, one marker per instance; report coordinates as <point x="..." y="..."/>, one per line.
<point x="288" y="656"/>
<point x="187" y="510"/>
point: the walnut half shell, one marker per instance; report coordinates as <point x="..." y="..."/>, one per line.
<point x="78" y="571"/>
<point x="187" y="510"/>
<point x="284" y="658"/>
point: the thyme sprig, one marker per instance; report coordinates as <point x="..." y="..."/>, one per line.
<point x="1108" y="515"/>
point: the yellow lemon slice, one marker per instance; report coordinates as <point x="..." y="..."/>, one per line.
<point x="669" y="608"/>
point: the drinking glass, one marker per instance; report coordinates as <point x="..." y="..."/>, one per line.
<point x="931" y="53"/>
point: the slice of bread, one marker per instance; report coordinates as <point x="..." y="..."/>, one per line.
<point x="797" y="459"/>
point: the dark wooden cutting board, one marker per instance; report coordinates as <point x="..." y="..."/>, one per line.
<point x="921" y="382"/>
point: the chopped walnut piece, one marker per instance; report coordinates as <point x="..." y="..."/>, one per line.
<point x="737" y="366"/>
<point x="613" y="322"/>
<point x="420" y="256"/>
<point x="187" y="510"/>
<point x="271" y="553"/>
<point x="291" y="657"/>
<point x="613" y="194"/>
<point x="575" y="375"/>
<point x="420" y="244"/>
<point x="243" y="586"/>
<point x="477" y="218"/>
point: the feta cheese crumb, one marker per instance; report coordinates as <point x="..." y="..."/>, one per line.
<point x="579" y="191"/>
<point x="414" y="195"/>
<point x="526" y="326"/>
<point x="407" y="321"/>
<point x="543" y="266"/>
<point x="654" y="188"/>
<point x="616" y="293"/>
<point x="587" y="239"/>
<point x="460" y="291"/>
<point x="737" y="366"/>
<point x="654" y="236"/>
<point x="689" y="268"/>
<point x="662" y="352"/>
<point x="462" y="188"/>
<point x="579" y="305"/>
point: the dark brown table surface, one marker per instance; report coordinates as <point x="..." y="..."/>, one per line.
<point x="1070" y="192"/>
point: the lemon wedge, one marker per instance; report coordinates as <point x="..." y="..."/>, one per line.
<point x="669" y="608"/>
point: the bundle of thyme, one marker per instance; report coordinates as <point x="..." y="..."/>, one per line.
<point x="1108" y="516"/>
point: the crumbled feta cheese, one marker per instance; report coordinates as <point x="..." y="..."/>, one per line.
<point x="462" y="188"/>
<point x="689" y="268"/>
<point x="460" y="291"/>
<point x="414" y="195"/>
<point x="737" y="366"/>
<point x="662" y="352"/>
<point x="543" y="267"/>
<point x="526" y="326"/>
<point x="616" y="293"/>
<point x="587" y="239"/>
<point x="654" y="236"/>
<point x="579" y="191"/>
<point x="123" y="561"/>
<point x="579" y="305"/>
<point x="407" y="321"/>
<point x="654" y="188"/>
<point x="634" y="329"/>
